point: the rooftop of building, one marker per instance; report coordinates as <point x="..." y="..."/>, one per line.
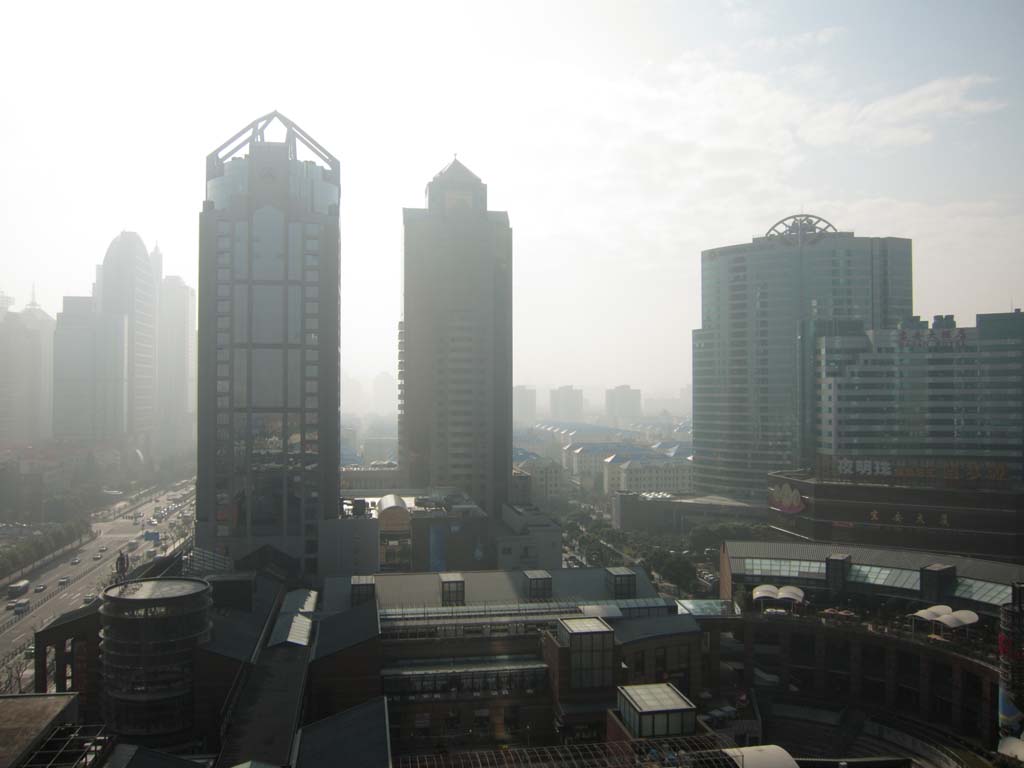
<point x="235" y="632"/>
<point x="407" y="590"/>
<point x="135" y="756"/>
<point x="655" y="697"/>
<point x="266" y="713"/>
<point x="26" y="719"/>
<point x="323" y="743"/>
<point x="696" y="751"/>
<point x="689" y="498"/>
<point x="585" y="626"/>
<point x="983" y="582"/>
<point x="156" y="589"/>
<point x="648" y="627"/>
<point x="338" y="631"/>
<point x="708" y="608"/>
<point x="992" y="497"/>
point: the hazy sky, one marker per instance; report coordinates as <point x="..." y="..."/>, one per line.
<point x="622" y="138"/>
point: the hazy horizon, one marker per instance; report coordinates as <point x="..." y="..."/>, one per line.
<point x="622" y="140"/>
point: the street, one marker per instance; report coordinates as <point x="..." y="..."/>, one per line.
<point x="113" y="533"/>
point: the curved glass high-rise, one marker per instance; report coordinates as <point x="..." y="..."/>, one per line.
<point x="755" y="298"/>
<point x="268" y="344"/>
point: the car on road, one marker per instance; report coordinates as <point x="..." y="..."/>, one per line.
<point x="88" y="598"/>
<point x="76" y="561"/>
<point x="97" y="556"/>
<point x="30" y="652"/>
<point x="12" y="604"/>
<point x="64" y="581"/>
<point x="40" y="587"/>
<point x="103" y="548"/>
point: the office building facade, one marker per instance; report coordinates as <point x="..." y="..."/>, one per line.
<point x="567" y="404"/>
<point x="915" y="434"/>
<point x="128" y="286"/>
<point x="26" y="375"/>
<point x="90" y="373"/>
<point x="755" y="298"/>
<point x="455" y="342"/>
<point x="919" y="404"/>
<point x="268" y="405"/>
<point x="623" y="405"/>
<point x="524" y="406"/>
<point x="177" y="352"/>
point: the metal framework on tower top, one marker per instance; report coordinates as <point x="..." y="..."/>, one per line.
<point x="255" y="133"/>
<point x="685" y="752"/>
<point x="800" y="224"/>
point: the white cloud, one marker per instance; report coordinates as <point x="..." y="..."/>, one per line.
<point x="793" y="43"/>
<point x="900" y="119"/>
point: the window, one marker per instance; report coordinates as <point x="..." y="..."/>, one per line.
<point x="268" y="314"/>
<point x="268" y="377"/>
<point x="453" y="593"/>
<point x="590" y="659"/>
<point x="294" y="314"/>
<point x="268" y="256"/>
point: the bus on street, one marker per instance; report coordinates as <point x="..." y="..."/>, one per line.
<point x="17" y="588"/>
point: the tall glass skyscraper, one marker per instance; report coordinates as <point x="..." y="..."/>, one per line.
<point x="755" y="299"/>
<point x="268" y="344"/>
<point x="128" y="285"/>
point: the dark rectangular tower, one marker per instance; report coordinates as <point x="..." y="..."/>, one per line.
<point x="268" y="344"/>
<point x="455" y="342"/>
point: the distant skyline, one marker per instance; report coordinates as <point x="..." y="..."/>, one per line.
<point x="621" y="138"/>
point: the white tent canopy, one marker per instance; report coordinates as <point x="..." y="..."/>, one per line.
<point x="958" y="619"/>
<point x="933" y="613"/>
<point x="771" y="592"/>
<point x="766" y="592"/>
<point x="791" y="593"/>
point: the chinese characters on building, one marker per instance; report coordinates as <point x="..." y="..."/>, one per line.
<point x="841" y="468"/>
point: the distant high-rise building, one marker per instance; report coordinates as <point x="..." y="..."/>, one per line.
<point x="754" y="300"/>
<point x="128" y="285"/>
<point x="268" y="416"/>
<point x="177" y="353"/>
<point x="567" y="404"/>
<point x="90" y="373"/>
<point x="26" y="373"/>
<point x="623" y="405"/>
<point x="524" y="406"/>
<point x="455" y="342"/>
<point x="385" y="395"/>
